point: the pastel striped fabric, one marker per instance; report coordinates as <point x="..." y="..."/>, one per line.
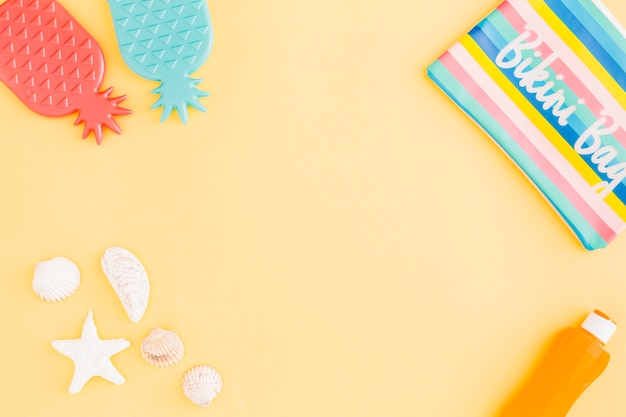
<point x="546" y="79"/>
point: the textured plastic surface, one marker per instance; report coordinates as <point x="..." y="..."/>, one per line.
<point x="166" y="41"/>
<point x="54" y="65"/>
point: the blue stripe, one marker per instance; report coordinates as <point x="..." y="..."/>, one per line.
<point x="567" y="132"/>
<point x="583" y="117"/>
<point x="604" y="19"/>
<point x="609" y="62"/>
<point x="601" y="30"/>
<point x="584" y="231"/>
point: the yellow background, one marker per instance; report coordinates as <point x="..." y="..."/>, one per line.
<point x="333" y="235"/>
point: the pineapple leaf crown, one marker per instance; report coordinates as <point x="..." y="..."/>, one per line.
<point x="100" y="113"/>
<point x="178" y="95"/>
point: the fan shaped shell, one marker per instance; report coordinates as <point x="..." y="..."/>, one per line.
<point x="56" y="279"/>
<point x="129" y="280"/>
<point x="201" y="384"/>
<point x="162" y="348"/>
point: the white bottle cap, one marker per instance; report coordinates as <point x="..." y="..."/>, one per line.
<point x="599" y="325"/>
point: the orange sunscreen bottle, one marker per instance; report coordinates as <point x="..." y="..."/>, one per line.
<point x="574" y="361"/>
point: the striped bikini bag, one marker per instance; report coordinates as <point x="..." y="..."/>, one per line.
<point x="546" y="80"/>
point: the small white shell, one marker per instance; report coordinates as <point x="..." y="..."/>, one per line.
<point x="56" y="279"/>
<point x="162" y="348"/>
<point x="201" y="384"/>
<point x="129" y="280"/>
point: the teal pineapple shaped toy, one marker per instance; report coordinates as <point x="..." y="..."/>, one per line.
<point x="166" y="41"/>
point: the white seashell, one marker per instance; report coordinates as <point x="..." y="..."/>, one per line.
<point x="129" y="279"/>
<point x="162" y="348"/>
<point x="201" y="384"/>
<point x="56" y="279"/>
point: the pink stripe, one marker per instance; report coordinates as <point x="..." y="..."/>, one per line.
<point x="528" y="14"/>
<point x="483" y="97"/>
<point x="536" y="138"/>
<point x="574" y="83"/>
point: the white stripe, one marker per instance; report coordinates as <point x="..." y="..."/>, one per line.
<point x="609" y="16"/>
<point x="536" y="138"/>
<point x="578" y="67"/>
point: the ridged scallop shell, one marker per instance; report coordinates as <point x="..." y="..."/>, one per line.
<point x="129" y="279"/>
<point x="162" y="348"/>
<point x="201" y="384"/>
<point x="56" y="279"/>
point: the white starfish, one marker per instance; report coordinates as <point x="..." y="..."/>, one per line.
<point x="91" y="355"/>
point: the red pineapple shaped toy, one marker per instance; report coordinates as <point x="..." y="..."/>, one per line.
<point x="54" y="66"/>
